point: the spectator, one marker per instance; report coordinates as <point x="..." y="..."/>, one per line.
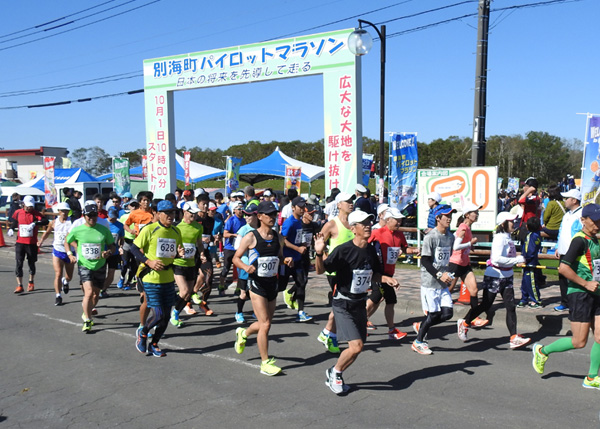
<point x="362" y="201"/>
<point x="553" y="214"/>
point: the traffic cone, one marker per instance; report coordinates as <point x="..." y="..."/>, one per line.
<point x="465" y="296"/>
<point x="2" y="243"/>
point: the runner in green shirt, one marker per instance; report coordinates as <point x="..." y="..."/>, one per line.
<point x="95" y="244"/>
<point x="185" y="269"/>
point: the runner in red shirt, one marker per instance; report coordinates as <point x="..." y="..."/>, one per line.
<point x="390" y="244"/>
<point x="27" y="220"/>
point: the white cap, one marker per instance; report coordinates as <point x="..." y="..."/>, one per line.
<point x="358" y="216"/>
<point x="61" y="206"/>
<point x="343" y="196"/>
<point x="360" y="188"/>
<point x="381" y="208"/>
<point x="572" y="193"/>
<point x="393" y="212"/>
<point x="434" y="196"/>
<point x="470" y="207"/>
<point x="504" y="216"/>
<point x="28" y="201"/>
<point x="191" y="207"/>
<point x="199" y="191"/>
<point x="267" y="193"/>
<point x="237" y="194"/>
<point x="238" y="206"/>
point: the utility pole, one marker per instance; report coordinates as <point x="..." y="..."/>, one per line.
<point x="478" y="148"/>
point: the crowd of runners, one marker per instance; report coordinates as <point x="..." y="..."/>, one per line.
<point x="168" y="250"/>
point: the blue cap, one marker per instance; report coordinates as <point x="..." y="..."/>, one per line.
<point x="591" y="211"/>
<point x="443" y="209"/>
<point x="165" y="206"/>
<point x="113" y="212"/>
<point x="127" y="195"/>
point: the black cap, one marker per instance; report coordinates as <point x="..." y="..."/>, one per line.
<point x="90" y="209"/>
<point x="299" y="201"/>
<point x="267" y="207"/>
<point x="250" y="209"/>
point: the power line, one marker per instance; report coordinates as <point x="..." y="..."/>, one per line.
<point x="80" y="100"/>
<point x="81" y="26"/>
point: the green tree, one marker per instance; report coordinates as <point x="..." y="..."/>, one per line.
<point x="135" y="156"/>
<point x="94" y="160"/>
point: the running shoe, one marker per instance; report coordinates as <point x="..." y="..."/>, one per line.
<point x="240" y="341"/>
<point x="221" y="292"/>
<point x="462" y="330"/>
<point x="287" y="298"/>
<point x="421" y="348"/>
<point x="175" y="319"/>
<point x="94" y="312"/>
<point x="269" y="368"/>
<point x="396" y="334"/>
<point x="335" y="381"/>
<point x="521" y="304"/>
<point x="87" y="326"/>
<point x="539" y="358"/>
<point x="416" y="326"/>
<point x="254" y="316"/>
<point x="127" y="286"/>
<point x="303" y="317"/>
<point x="103" y="294"/>
<point x="140" y="340"/>
<point x="19" y="289"/>
<point x="196" y="299"/>
<point x="30" y="287"/>
<point x="84" y="318"/>
<point x="65" y="286"/>
<point x="370" y="326"/>
<point x="58" y="300"/>
<point x="534" y="305"/>
<point x="594" y="383"/>
<point x="330" y="343"/>
<point x="205" y="309"/>
<point x="518" y="341"/>
<point x="189" y="310"/>
<point x="479" y="323"/>
<point x="561" y="308"/>
<point x="155" y="351"/>
<point x="239" y="318"/>
<point x="120" y="284"/>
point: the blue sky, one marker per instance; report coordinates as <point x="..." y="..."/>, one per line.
<point x="541" y="70"/>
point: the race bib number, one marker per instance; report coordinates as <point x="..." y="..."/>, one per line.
<point x="115" y="237"/>
<point x="206" y="238"/>
<point x="392" y="255"/>
<point x="307" y="238"/>
<point x="166" y="248"/>
<point x="91" y="251"/>
<point x="512" y="251"/>
<point x="361" y="280"/>
<point x="596" y="273"/>
<point x="26" y="231"/>
<point x="267" y="266"/>
<point x="299" y="237"/>
<point x="190" y="250"/>
<point x="60" y="237"/>
<point x="442" y="256"/>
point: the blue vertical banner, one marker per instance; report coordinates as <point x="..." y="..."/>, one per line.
<point x="513" y="184"/>
<point x="367" y="162"/>
<point x="590" y="175"/>
<point x="232" y="174"/>
<point x="404" y="160"/>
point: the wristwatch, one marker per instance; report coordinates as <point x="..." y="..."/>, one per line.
<point x="439" y="275"/>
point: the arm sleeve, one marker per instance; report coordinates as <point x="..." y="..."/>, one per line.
<point x="459" y="245"/>
<point x="137" y="254"/>
<point x="497" y="249"/>
<point x="427" y="262"/>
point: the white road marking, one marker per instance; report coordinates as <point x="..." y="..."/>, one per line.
<point x="166" y="344"/>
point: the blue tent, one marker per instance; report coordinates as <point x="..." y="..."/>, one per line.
<point x="273" y="167"/>
<point x="64" y="175"/>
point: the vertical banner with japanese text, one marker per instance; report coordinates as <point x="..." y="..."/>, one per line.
<point x="293" y="178"/>
<point x="50" y="194"/>
<point x="144" y="167"/>
<point x="122" y="181"/>
<point x="404" y="159"/>
<point x="186" y="166"/>
<point x="232" y="174"/>
<point x="367" y="163"/>
<point x="325" y="54"/>
<point x="590" y="174"/>
<point x="513" y="184"/>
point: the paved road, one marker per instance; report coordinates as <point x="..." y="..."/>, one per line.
<point x="54" y="376"/>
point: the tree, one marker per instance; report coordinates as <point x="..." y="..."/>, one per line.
<point x="135" y="157"/>
<point x="94" y="160"/>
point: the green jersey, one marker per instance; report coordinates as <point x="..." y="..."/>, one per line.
<point x="128" y="235"/>
<point x="583" y="257"/>
<point x="159" y="243"/>
<point x="91" y="242"/>
<point x="190" y="234"/>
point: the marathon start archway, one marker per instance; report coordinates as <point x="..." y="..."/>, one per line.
<point x="326" y="54"/>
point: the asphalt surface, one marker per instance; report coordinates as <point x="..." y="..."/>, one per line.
<point x="54" y="376"/>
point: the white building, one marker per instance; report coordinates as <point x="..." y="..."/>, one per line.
<point x="22" y="165"/>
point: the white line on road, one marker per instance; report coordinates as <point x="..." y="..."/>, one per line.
<point x="168" y="345"/>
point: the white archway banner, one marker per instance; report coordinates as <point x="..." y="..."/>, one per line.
<point x="325" y="53"/>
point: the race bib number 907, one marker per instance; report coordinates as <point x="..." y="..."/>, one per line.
<point x="267" y="266"/>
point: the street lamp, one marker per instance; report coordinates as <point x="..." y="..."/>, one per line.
<point x="360" y="43"/>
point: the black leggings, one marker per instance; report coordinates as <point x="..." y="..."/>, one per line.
<point x="227" y="262"/>
<point x="128" y="263"/>
<point x="434" y="318"/>
<point x="298" y="289"/>
<point x="508" y="296"/>
<point x="159" y="317"/>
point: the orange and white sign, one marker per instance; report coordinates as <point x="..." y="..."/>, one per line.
<point x="458" y="186"/>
